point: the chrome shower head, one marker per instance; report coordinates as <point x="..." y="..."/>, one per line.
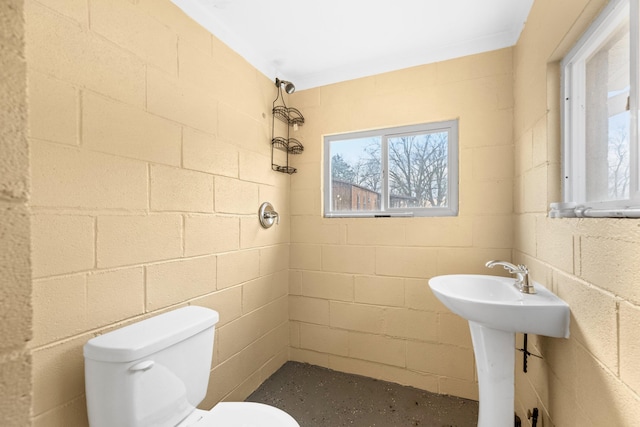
<point x="288" y="86"/>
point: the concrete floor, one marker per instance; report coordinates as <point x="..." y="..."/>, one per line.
<point x="320" y="397"/>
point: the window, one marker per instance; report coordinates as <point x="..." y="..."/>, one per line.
<point x="600" y="115"/>
<point x="403" y="171"/>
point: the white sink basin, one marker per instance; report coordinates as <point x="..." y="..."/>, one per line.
<point x="496" y="310"/>
<point x="494" y="302"/>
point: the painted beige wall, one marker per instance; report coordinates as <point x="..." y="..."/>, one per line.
<point x="15" y="274"/>
<point x="359" y="300"/>
<point x="150" y="157"/>
<point x="592" y="379"/>
<point x="148" y="163"/>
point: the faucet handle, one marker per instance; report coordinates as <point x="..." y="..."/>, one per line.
<point x="521" y="271"/>
<point x="267" y="215"/>
<point x="511" y="268"/>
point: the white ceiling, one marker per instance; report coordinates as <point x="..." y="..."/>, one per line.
<point x="314" y="43"/>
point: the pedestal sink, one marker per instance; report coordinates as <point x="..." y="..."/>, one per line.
<point x="496" y="310"/>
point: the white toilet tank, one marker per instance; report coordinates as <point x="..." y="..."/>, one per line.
<point x="151" y="373"/>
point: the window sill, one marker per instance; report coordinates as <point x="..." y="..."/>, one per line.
<point x="572" y="210"/>
<point x="368" y="215"/>
<point x="416" y="213"/>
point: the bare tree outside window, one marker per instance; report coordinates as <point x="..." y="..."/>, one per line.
<point x="618" y="156"/>
<point x="368" y="169"/>
<point x="356" y="175"/>
<point x="607" y="118"/>
<point x="341" y="170"/>
<point x="417" y="167"/>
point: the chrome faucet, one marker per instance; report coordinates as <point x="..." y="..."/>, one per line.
<point x="521" y="272"/>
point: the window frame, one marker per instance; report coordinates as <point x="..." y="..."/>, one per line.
<point x="573" y="84"/>
<point x="450" y="126"/>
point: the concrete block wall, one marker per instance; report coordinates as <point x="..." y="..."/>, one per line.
<point x="360" y="301"/>
<point x="132" y="189"/>
<point x="15" y="272"/>
<point x="150" y="157"/>
<point x="591" y="379"/>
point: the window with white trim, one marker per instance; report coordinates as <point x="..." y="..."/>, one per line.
<point x="600" y="117"/>
<point x="401" y="171"/>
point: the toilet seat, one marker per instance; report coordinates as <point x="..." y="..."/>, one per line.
<point x="245" y="414"/>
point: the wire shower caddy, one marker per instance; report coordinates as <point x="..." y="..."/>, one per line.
<point x="293" y="118"/>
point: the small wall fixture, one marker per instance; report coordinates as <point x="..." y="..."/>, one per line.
<point x="267" y="216"/>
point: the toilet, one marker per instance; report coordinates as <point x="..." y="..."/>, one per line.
<point x="155" y="372"/>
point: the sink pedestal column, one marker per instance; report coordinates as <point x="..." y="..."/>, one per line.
<point x="495" y="360"/>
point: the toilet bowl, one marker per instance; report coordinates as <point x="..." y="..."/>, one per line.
<point x="155" y="372"/>
<point x="241" y="414"/>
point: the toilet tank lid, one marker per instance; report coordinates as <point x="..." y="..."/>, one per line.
<point x="148" y="336"/>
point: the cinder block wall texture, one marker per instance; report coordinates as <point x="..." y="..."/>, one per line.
<point x="592" y="379"/>
<point x="360" y="301"/>
<point x="150" y="157"/>
<point x="15" y="274"/>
